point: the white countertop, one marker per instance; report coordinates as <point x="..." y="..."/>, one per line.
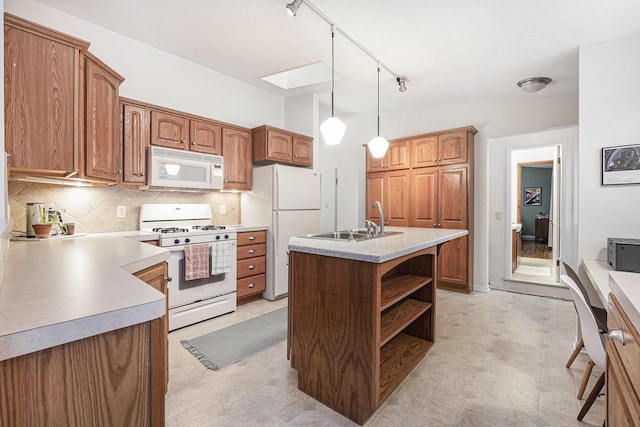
<point x="58" y="291"/>
<point x="625" y="286"/>
<point x="377" y="250"/>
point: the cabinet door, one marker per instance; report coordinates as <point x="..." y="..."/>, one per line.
<point x="157" y="277"/>
<point x="136" y="134"/>
<point x="302" y="151"/>
<point x="396" y="206"/>
<point x="41" y="96"/>
<point x="205" y="137"/>
<point x="453" y="197"/>
<point x="169" y="130"/>
<point x="453" y="264"/>
<point x="452" y="148"/>
<point x="236" y="150"/>
<point x="376" y="165"/>
<point x="398" y="155"/>
<point x="279" y="146"/>
<point x="424" y="151"/>
<point x="375" y="191"/>
<point x="102" y="140"/>
<point x="424" y="198"/>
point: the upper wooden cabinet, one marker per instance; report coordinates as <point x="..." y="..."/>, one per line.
<point x="236" y="150"/>
<point x="441" y="149"/>
<point x="272" y="145"/>
<point x="397" y="157"/>
<point x="136" y="136"/>
<point x="102" y="155"/>
<point x="391" y="189"/>
<point x="42" y="89"/>
<point x="206" y="137"/>
<point x="173" y="130"/>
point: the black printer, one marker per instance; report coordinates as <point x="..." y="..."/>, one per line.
<point x="624" y="254"/>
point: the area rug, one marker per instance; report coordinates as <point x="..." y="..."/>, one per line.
<point x="226" y="346"/>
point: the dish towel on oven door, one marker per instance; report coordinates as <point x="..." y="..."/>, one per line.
<point x="221" y="257"/>
<point x="196" y="261"/>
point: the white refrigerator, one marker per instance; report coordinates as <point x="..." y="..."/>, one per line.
<point x="286" y="199"/>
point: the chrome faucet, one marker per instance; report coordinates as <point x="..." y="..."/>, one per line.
<point x="372" y="228"/>
<point x="373" y="206"/>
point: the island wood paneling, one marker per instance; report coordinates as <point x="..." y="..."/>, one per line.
<point x="357" y="329"/>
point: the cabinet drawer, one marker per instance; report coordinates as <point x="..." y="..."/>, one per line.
<point x="251" y="266"/>
<point x="252" y="237"/>
<point x="629" y="352"/>
<point x="252" y="251"/>
<point x="251" y="285"/>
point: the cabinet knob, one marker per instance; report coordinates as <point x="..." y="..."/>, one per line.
<point x="617" y="335"/>
<point x="252" y="237"/>
<point x="251" y="267"/>
<point x="182" y="141"/>
<point x="193" y="143"/>
<point x="252" y="285"/>
<point x="252" y="251"/>
<point x="119" y="171"/>
<point x="141" y="173"/>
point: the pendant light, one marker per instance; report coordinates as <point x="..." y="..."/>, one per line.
<point x="333" y="128"/>
<point x="378" y="145"/>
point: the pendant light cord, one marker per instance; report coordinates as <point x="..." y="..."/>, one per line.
<point x="332" y="65"/>
<point x="378" y="99"/>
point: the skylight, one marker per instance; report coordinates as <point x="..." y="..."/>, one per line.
<point x="306" y="75"/>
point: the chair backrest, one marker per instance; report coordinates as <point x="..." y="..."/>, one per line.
<point x="574" y="276"/>
<point x="590" y="333"/>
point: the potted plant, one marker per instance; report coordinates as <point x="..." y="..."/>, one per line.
<point x="43" y="227"/>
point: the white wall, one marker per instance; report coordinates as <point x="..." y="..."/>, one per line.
<point x="609" y="112"/>
<point x="492" y="119"/>
<point x="154" y="76"/>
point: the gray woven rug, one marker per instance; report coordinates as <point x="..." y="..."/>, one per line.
<point x="226" y="346"/>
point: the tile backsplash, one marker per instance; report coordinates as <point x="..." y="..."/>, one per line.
<point x="93" y="209"/>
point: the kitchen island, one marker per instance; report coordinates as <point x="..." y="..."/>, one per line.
<point x="362" y="314"/>
<point x="81" y="332"/>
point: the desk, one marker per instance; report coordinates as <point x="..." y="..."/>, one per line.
<point x="598" y="272"/>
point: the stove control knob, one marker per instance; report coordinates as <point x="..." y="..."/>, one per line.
<point x="226" y="236"/>
<point x="187" y="240"/>
<point x="176" y="241"/>
<point x="218" y="237"/>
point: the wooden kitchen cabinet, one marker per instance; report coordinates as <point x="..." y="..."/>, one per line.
<point x="102" y="147"/>
<point x="252" y="251"/>
<point x="396" y="157"/>
<point x="205" y="137"/>
<point x="157" y="276"/>
<point x="386" y="310"/>
<point x="169" y="130"/>
<point x="236" y="150"/>
<point x="391" y="189"/>
<point x="622" y="370"/>
<point x="272" y="145"/>
<point x="42" y="87"/>
<point x="136" y="136"/>
<point x="435" y="192"/>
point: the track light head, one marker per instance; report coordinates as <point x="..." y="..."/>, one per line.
<point x="401" y="83"/>
<point x="293" y="7"/>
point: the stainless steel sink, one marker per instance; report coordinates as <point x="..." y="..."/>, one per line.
<point x="346" y="236"/>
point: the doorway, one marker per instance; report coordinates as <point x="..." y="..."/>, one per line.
<point x="536" y="208"/>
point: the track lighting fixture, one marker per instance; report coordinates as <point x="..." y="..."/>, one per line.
<point x="378" y="145"/>
<point x="293" y="7"/>
<point x="401" y="83"/>
<point x="333" y="128"/>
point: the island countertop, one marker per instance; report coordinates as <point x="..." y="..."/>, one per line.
<point x="380" y="249"/>
<point x="58" y="291"/>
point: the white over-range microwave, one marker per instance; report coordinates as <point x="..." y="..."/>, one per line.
<point x="185" y="169"/>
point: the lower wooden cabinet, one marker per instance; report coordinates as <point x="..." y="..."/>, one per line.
<point x="252" y="251"/>
<point x="623" y="370"/>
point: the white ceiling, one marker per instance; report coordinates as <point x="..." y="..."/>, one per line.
<point x="450" y="51"/>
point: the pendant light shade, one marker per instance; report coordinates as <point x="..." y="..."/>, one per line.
<point x="378" y="145"/>
<point x="333" y="128"/>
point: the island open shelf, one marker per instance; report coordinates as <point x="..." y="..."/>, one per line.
<point x="357" y="328"/>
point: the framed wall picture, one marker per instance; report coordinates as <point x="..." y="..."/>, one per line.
<point x="532" y="196"/>
<point x="621" y="165"/>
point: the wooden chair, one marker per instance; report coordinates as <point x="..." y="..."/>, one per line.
<point x="593" y="339"/>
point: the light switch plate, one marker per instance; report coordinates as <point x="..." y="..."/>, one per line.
<point x="121" y="212"/>
<point x="223" y="210"/>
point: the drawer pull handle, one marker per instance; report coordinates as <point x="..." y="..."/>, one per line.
<point x="251" y="267"/>
<point x="617" y="335"/>
<point x="252" y="237"/>
<point x="252" y="251"/>
<point x="252" y="285"/>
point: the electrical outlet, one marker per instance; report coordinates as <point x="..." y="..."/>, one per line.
<point x="223" y="210"/>
<point x="121" y="212"/>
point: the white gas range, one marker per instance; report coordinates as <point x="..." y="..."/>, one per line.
<point x="180" y="225"/>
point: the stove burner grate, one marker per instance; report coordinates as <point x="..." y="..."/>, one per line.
<point x="208" y="227"/>
<point x="170" y="230"/>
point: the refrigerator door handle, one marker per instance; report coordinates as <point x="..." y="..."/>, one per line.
<point x="276" y="234"/>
